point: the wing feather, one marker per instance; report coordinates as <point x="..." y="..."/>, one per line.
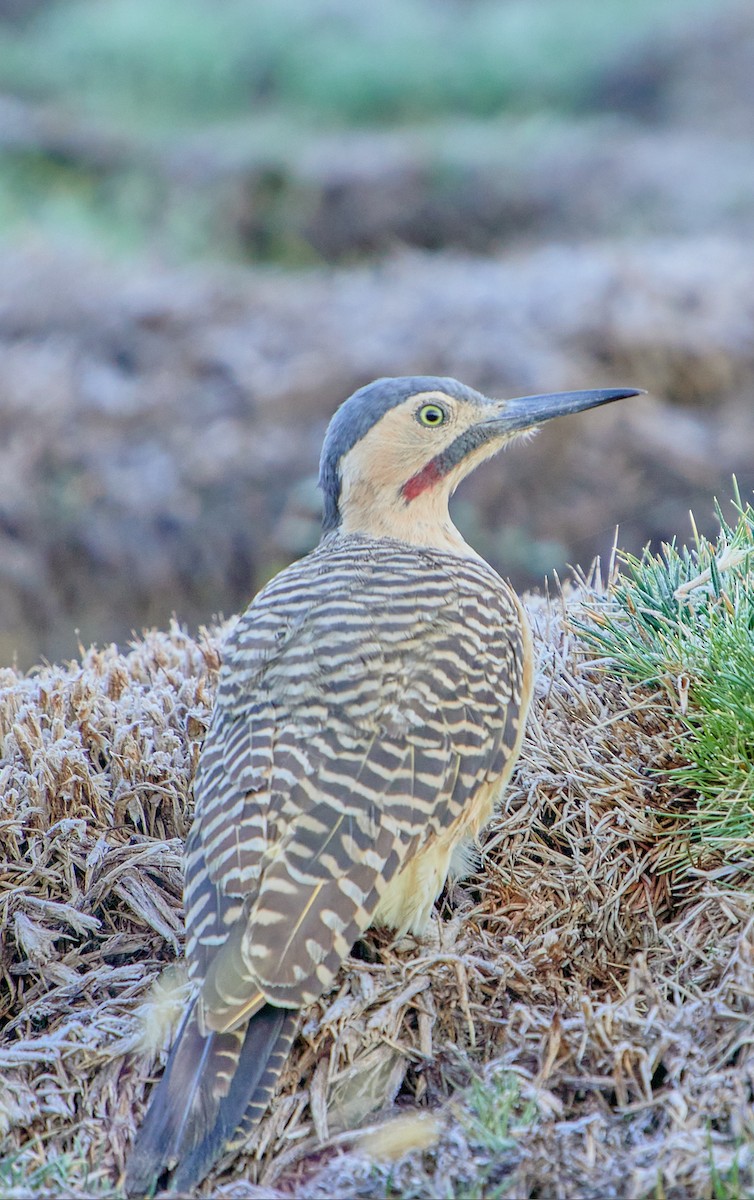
<point x="359" y="709"/>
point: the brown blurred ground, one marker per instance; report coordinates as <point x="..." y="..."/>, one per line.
<point x="160" y="428"/>
<point x="160" y="431"/>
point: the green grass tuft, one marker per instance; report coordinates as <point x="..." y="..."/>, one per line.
<point x="494" y="1111"/>
<point x="62" y="1174"/>
<point x="683" y="620"/>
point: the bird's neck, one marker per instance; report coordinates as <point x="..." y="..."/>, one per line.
<point x="424" y="521"/>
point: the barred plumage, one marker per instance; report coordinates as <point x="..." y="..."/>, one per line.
<point x="370" y="708"/>
<point x="366" y="694"/>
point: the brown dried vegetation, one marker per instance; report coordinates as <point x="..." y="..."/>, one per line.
<point x="615" y="998"/>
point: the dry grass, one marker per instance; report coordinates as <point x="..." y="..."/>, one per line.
<point x="579" y="1023"/>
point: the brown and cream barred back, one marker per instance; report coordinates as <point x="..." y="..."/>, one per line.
<point x="368" y="692"/>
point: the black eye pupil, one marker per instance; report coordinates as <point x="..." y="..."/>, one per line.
<point x="432" y="414"/>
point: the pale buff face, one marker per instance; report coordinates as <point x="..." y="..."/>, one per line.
<point x="395" y="450"/>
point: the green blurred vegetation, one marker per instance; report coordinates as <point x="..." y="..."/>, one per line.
<point x="167" y="63"/>
<point x="272" y="73"/>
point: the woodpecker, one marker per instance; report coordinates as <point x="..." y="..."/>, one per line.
<point x="370" y="709"/>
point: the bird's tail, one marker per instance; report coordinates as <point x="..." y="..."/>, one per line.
<point x="213" y="1090"/>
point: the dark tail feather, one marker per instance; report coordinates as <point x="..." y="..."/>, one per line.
<point x="260" y="1099"/>
<point x="209" y="1086"/>
<point x="267" y="1041"/>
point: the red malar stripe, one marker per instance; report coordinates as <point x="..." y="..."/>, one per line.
<point x="427" y="477"/>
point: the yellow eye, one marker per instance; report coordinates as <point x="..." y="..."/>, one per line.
<point x="431" y="415"/>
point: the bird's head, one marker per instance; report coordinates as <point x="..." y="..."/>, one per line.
<point x="396" y="450"/>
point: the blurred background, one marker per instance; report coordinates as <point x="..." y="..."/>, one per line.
<point x="219" y="217"/>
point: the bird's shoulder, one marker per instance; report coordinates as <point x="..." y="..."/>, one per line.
<point x="364" y="603"/>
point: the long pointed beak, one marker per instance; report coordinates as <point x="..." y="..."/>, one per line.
<point x="528" y="411"/>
